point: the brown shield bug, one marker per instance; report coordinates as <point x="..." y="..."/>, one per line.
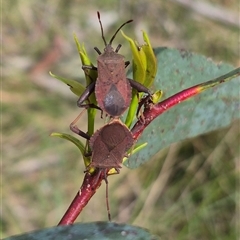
<point x="112" y="87"/>
<point x="109" y="145"/>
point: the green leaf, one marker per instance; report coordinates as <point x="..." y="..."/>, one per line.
<point x="213" y="109"/>
<point x="90" y="75"/>
<point x="151" y="69"/>
<point x="90" y="231"/>
<point x="76" y="87"/>
<point x="144" y="71"/>
<point x="139" y="60"/>
<point x="77" y="142"/>
<point x="82" y="52"/>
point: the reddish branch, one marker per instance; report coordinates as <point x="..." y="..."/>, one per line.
<point x="91" y="183"/>
<point x="152" y="111"/>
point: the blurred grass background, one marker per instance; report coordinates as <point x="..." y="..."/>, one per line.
<point x="188" y="191"/>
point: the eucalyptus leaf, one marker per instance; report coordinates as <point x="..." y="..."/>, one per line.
<point x="213" y="109"/>
<point x="90" y="231"/>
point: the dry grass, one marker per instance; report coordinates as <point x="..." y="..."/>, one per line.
<point x="188" y="191"/>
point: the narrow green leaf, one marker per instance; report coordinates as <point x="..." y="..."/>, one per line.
<point x="91" y="76"/>
<point x="144" y="71"/>
<point x="77" y="142"/>
<point x="76" y="87"/>
<point x="151" y="63"/>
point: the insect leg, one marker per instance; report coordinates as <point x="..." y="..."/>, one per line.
<point x="88" y="91"/>
<point x="75" y="128"/>
<point x="138" y="86"/>
<point x="84" y="67"/>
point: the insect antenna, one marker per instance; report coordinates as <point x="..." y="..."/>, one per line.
<point x="99" y="19"/>
<point x="110" y="43"/>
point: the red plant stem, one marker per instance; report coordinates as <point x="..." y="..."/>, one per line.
<point x="92" y="181"/>
<point x="152" y="111"/>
